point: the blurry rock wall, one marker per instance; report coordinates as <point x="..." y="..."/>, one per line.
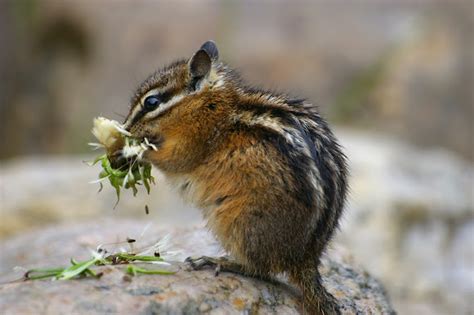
<point x="394" y="67"/>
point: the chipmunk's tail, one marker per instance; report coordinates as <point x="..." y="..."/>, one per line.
<point x="316" y="300"/>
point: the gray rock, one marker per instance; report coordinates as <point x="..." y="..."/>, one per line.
<point x="186" y="292"/>
<point x="409" y="219"/>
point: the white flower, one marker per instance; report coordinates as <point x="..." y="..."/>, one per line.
<point x="163" y="248"/>
<point x="108" y="131"/>
<point x="131" y="150"/>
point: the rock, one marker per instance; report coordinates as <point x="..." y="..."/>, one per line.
<point x="185" y="292"/>
<point x="410" y="221"/>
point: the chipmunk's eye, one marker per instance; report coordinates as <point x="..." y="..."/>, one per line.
<point x="151" y="102"/>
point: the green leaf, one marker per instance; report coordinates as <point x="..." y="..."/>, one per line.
<point x="76" y="269"/>
<point x="137" y="173"/>
<point x="116" y="183"/>
<point x="36" y="274"/>
<point x="135" y="190"/>
<point x="146" y="183"/>
<point x="131" y="270"/>
<point x="99" y="158"/>
<point x="129" y="257"/>
<point x="88" y="271"/>
<point x="134" y="270"/>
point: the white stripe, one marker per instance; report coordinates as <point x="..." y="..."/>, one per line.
<point x="135" y="111"/>
<point x="152" y="114"/>
<point x="165" y="106"/>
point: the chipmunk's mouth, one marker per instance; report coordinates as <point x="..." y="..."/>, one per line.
<point x="141" y="135"/>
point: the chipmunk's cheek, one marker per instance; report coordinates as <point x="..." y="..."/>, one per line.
<point x="151" y="156"/>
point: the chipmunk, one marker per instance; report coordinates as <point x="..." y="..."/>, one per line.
<point x="265" y="169"/>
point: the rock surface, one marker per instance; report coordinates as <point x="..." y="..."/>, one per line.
<point x="409" y="218"/>
<point x="186" y="292"/>
<point x="410" y="222"/>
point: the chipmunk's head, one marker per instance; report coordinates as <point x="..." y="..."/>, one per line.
<point x="181" y="107"/>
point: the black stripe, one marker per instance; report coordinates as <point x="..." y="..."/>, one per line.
<point x="138" y="116"/>
<point x="298" y="162"/>
<point x="164" y="98"/>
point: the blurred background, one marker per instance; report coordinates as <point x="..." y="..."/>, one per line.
<point x="395" y="78"/>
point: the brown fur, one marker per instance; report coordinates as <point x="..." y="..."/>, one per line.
<point x="266" y="170"/>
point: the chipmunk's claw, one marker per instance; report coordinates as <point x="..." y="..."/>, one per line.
<point x="204" y="261"/>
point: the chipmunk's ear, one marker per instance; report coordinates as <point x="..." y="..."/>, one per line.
<point x="201" y="62"/>
<point x="211" y="49"/>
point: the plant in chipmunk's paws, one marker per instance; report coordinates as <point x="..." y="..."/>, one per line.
<point x="119" y="144"/>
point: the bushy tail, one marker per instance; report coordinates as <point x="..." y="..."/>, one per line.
<point x="316" y="300"/>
